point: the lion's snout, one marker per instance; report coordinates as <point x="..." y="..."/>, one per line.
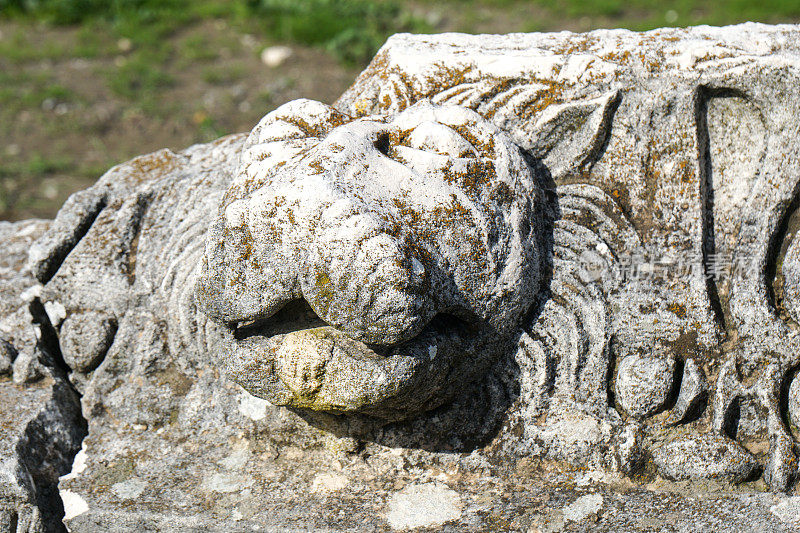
<point x="356" y="276"/>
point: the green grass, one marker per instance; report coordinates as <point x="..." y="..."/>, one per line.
<point x="139" y="78"/>
<point x="351" y="29"/>
<point x="632" y="14"/>
<point x="208" y="128"/>
<point x="82" y="77"/>
<point x="223" y="75"/>
<point x="14" y="178"/>
<point x="31" y="90"/>
<point x="645" y="14"/>
<point x="39" y="164"/>
<point x="198" y="48"/>
<point x="77" y="11"/>
<point x="23" y="47"/>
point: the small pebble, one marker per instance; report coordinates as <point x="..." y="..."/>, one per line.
<point x="275" y="56"/>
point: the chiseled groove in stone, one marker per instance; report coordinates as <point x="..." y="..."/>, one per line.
<point x="693" y="392"/>
<point x="49" y="252"/>
<point x="707" y="200"/>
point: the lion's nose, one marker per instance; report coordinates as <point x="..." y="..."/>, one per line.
<point x="365" y="283"/>
<point x="354" y="274"/>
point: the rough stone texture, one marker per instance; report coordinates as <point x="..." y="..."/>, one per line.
<point x="42" y="426"/>
<point x="583" y="507"/>
<point x="86" y="337"/>
<point x="608" y="290"/>
<point x="711" y="457"/>
<point x="18" y="352"/>
<point x="794" y="403"/>
<point x="415" y="236"/>
<point x="425" y="505"/>
<point x="643" y="384"/>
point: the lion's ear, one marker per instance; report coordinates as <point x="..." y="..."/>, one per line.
<point x="568" y="137"/>
<point x="298" y="119"/>
<point x="279" y="136"/>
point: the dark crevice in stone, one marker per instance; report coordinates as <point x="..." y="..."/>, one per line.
<point x="783" y="398"/>
<point x="611" y="375"/>
<point x="142" y="204"/>
<point x="48" y="344"/>
<point x="13" y="522"/>
<point x="52" y="439"/>
<point x="109" y="341"/>
<point x="383" y="144"/>
<point x="695" y="409"/>
<point x="603" y="135"/>
<point x="730" y="424"/>
<point x="674" y="391"/>
<point x="47" y="448"/>
<point x="778" y="245"/>
<point x="295" y="315"/>
<point x="8" y="354"/>
<point x="755" y="475"/>
<point x="704" y="94"/>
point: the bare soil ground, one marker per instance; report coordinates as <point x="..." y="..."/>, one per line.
<point x="76" y="100"/>
<point x="62" y="124"/>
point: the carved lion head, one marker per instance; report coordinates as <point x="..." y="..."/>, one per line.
<point x="371" y="265"/>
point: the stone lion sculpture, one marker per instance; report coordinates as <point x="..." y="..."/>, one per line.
<point x="372" y="265"/>
<point x="463" y="252"/>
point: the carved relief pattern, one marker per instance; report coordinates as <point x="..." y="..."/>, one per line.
<point x="523" y="245"/>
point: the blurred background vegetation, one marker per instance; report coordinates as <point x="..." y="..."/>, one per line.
<point x="86" y="84"/>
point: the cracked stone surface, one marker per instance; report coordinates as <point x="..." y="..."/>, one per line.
<point x="18" y="353"/>
<point x="41" y="427"/>
<point x="533" y="282"/>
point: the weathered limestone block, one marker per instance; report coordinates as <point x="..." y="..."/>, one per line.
<point x="695" y="153"/>
<point x="18" y="352"/>
<point x="497" y="265"/>
<point x="41" y="426"/>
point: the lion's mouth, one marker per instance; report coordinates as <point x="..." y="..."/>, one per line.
<point x="295" y="358"/>
<point x="294" y="316"/>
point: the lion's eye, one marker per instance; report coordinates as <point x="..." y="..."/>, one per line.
<point x="383" y="143"/>
<point x="438" y="138"/>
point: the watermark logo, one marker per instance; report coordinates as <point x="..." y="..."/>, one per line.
<point x="594" y="266"/>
